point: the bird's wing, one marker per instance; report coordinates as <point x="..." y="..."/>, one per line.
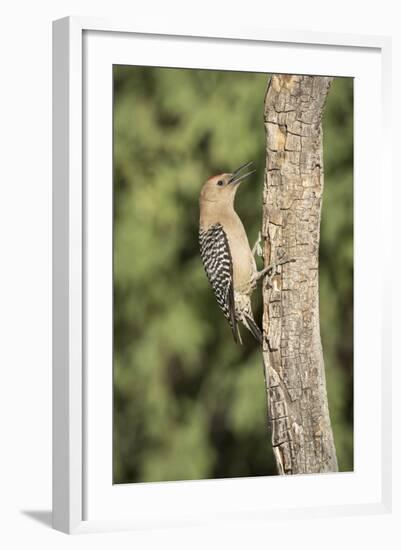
<point x="217" y="261"/>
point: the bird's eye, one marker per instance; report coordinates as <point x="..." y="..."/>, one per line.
<point x="220" y="182"/>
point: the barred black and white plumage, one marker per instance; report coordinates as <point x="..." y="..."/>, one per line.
<point x="217" y="261"/>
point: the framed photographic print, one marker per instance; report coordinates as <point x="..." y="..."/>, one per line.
<point x="218" y="332"/>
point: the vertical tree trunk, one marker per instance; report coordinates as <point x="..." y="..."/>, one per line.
<point x="293" y="360"/>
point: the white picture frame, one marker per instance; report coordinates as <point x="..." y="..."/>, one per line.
<point x="84" y="498"/>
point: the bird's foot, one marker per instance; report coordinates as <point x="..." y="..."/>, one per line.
<point x="257" y="247"/>
<point x="271" y="270"/>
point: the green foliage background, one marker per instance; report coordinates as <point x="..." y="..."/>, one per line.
<point x="188" y="402"/>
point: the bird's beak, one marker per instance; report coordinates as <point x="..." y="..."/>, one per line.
<point x="236" y="177"/>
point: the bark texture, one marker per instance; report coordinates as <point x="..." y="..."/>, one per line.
<point x="293" y="359"/>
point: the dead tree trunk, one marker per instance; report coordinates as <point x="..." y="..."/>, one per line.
<point x="302" y="437"/>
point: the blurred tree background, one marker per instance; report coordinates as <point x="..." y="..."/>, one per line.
<point x="188" y="402"/>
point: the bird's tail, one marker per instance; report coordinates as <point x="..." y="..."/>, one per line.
<point x="251" y="325"/>
<point x="236" y="333"/>
<point x="245" y="315"/>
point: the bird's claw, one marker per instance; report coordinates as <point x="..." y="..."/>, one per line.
<point x="257" y="249"/>
<point x="270" y="271"/>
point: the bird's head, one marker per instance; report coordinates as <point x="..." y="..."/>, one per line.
<point x="222" y="188"/>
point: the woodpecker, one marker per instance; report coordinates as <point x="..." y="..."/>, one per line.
<point x="227" y="257"/>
